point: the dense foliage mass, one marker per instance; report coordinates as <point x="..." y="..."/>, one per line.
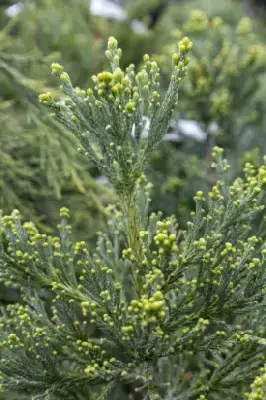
<point x="132" y="253"/>
<point x="224" y="94"/>
<point x="154" y="311"/>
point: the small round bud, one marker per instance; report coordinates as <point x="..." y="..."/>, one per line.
<point x="146" y="58"/>
<point x="112" y="43"/>
<point x="57" y="69"/>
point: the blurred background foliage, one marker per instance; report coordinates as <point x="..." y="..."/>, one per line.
<point x="222" y="102"/>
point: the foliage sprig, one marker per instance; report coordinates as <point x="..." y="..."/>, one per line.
<point x="109" y="120"/>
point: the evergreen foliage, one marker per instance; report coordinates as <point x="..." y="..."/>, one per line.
<point x="117" y="110"/>
<point x="225" y="79"/>
<point x="39" y="167"/>
<point x="154" y="312"/>
<point x="258" y="387"/>
<point x="224" y="94"/>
